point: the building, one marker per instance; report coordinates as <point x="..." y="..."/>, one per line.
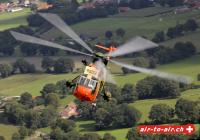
<point x="3" y="7"/>
<point x="123" y="9"/>
<point x="181" y="10"/>
<point x="14" y="9"/>
<point x="69" y="111"/>
<point x="43" y="6"/>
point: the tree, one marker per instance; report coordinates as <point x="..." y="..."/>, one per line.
<point x="47" y="89"/>
<point x="198" y="77"/>
<point x="173" y="3"/>
<point x="184" y="50"/>
<point x="171" y="33"/>
<point x="108" y="34"/>
<point x="161" y="113"/>
<point x="7" y="43"/>
<point x="57" y="134"/>
<point x="128" y="94"/>
<point x="126" y="71"/>
<point x="141" y="62"/>
<point x="163" y="55"/>
<point x="85" y="109"/>
<point x="91" y="136"/>
<point x="120" y="32"/>
<point x="72" y="135"/>
<point x="63" y="65"/>
<point x="161" y="2"/>
<point x="16" y="136"/>
<point x="187" y="111"/>
<point x="159" y="37"/>
<point x="62" y="89"/>
<point x="133" y="134"/>
<point x="23" y="132"/>
<point x="15" y="112"/>
<point x="32" y="119"/>
<point x="152" y="87"/>
<point x="2" y="138"/>
<point x="23" y="66"/>
<point x="137" y="4"/>
<point x="52" y="99"/>
<point x="48" y="116"/>
<point x="47" y="64"/>
<point x="102" y="119"/>
<point x="5" y="70"/>
<point x="125" y="116"/>
<point x="108" y="136"/>
<point x="190" y="25"/>
<point x="29" y="49"/>
<point x="66" y="125"/>
<point x="26" y="99"/>
<point x="179" y="29"/>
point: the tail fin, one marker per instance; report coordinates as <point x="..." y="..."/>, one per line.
<point x="111" y="49"/>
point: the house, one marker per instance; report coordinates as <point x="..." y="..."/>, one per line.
<point x="3" y="6"/>
<point x="69" y="111"/>
<point x="25" y="3"/>
<point x="123" y="9"/>
<point x="14" y="9"/>
<point x="181" y="10"/>
<point x="94" y="3"/>
<point x="43" y="6"/>
<point x="196" y="5"/>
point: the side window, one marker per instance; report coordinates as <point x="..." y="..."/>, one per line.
<point x="82" y="80"/>
<point x="92" y="84"/>
<point x="87" y="82"/>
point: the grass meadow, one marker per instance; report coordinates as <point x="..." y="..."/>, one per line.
<point x="12" y="20"/>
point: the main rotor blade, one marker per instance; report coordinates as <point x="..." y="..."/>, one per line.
<point x="134" y="45"/>
<point x="35" y="40"/>
<point x="174" y="77"/>
<point x="105" y="75"/>
<point x="62" y="26"/>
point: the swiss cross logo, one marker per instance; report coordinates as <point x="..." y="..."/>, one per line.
<point x="190" y="129"/>
<point x="167" y="129"/>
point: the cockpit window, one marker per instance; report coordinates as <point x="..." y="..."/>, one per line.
<point x="87" y="82"/>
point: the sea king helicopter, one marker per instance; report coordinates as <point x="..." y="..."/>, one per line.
<point x="88" y="85"/>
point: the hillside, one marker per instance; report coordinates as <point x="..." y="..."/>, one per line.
<point x="12" y="20"/>
<point x="135" y="22"/>
<point x="144" y="22"/>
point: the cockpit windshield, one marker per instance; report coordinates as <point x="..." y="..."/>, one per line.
<point x="91" y="83"/>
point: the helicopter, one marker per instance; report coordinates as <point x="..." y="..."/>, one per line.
<point x="88" y="85"/>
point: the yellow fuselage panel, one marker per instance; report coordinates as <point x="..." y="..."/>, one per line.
<point x="91" y="72"/>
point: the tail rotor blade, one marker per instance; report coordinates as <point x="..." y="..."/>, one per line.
<point x="35" y="40"/>
<point x="135" y="45"/>
<point x="62" y="26"/>
<point x="174" y="77"/>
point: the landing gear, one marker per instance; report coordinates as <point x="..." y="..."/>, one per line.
<point x="107" y="96"/>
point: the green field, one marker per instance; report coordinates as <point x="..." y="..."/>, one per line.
<point x="12" y="20"/>
<point x="7" y="131"/>
<point x="192" y="37"/>
<point x="133" y="22"/>
<point x="17" y="84"/>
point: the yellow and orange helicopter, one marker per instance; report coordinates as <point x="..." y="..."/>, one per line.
<point x="87" y="86"/>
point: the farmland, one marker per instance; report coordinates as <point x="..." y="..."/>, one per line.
<point x="135" y="22"/>
<point x="12" y="20"/>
